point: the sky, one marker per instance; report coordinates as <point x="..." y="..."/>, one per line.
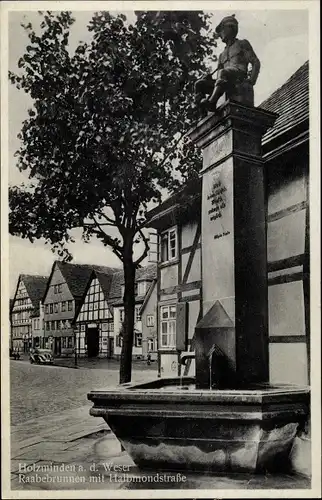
<point x="280" y="40"/>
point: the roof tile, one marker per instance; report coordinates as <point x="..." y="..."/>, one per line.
<point x="290" y="101"/>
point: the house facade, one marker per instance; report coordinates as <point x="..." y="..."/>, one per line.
<point x="98" y="322"/>
<point x="62" y="299"/>
<point x="148" y="313"/>
<point x="143" y="279"/>
<point x="94" y="324"/>
<point x="38" y="326"/>
<point x="29" y="292"/>
<point x="179" y="290"/>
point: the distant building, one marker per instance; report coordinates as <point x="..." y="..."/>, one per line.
<point x="145" y="276"/>
<point x="99" y="319"/>
<point x="94" y="320"/>
<point x="38" y="327"/>
<point x="62" y="299"/>
<point x="29" y="292"/>
<point x="148" y="312"/>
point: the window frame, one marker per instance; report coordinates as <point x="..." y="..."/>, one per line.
<point x="138" y="336"/>
<point x="150" y="320"/>
<point x="169" y="257"/>
<point x="171" y="336"/>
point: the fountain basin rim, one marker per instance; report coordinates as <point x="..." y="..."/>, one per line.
<point x="143" y="392"/>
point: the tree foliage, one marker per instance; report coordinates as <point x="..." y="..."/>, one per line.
<point x="106" y="133"/>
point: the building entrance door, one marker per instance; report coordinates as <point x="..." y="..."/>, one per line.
<point x="57" y="348"/>
<point x="92" y="342"/>
<point x="110" y="347"/>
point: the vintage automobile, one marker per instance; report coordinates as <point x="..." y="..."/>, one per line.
<point x="41" y="356"/>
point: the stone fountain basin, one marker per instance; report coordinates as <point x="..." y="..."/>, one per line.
<point x="167" y="424"/>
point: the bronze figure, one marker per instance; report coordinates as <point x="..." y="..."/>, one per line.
<point x="234" y="76"/>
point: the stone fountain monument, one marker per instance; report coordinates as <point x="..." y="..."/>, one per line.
<point x="229" y="418"/>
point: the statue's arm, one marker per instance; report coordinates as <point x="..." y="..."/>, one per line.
<point x="254" y="61"/>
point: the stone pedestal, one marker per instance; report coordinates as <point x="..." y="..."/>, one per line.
<point x="232" y="338"/>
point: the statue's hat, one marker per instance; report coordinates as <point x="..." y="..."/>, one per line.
<point x="228" y="19"/>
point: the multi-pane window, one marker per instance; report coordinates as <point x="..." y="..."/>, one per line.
<point x="56" y="308"/>
<point x="138" y="339"/>
<point x="169" y="245"/>
<point x="150" y="320"/>
<point x="94" y="306"/>
<point x="51" y="308"/>
<point x="47" y="308"/>
<point x="70" y="305"/>
<point x="141" y="287"/>
<point x="63" y="306"/>
<point x="122" y="315"/>
<point x="137" y="314"/>
<point x="151" y="344"/>
<point x="168" y="326"/>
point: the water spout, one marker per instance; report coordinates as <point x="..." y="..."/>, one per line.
<point x="185" y="356"/>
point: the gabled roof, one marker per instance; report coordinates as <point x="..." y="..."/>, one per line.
<point x="290" y="101"/>
<point x="105" y="280"/>
<point x="148" y="295"/>
<point x="35" y="286"/>
<point x="78" y="275"/>
<point x="146" y="273"/>
<point x="116" y="287"/>
<point x="184" y="202"/>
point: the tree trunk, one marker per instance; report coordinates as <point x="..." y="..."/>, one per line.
<point x="129" y="309"/>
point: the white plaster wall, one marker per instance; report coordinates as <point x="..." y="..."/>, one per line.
<point x="288" y="363"/>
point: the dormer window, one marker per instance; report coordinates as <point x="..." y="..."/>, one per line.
<point x="141" y="287"/>
<point x="169" y="245"/>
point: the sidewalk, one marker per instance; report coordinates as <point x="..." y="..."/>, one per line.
<point x="73" y="450"/>
<point x="102" y="363"/>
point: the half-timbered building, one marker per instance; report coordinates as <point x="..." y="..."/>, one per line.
<point x="177" y="220"/>
<point x="28" y="294"/>
<point x="99" y="318"/>
<point x="62" y="298"/>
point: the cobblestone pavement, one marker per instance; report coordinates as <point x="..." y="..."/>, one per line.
<point x="37" y="390"/>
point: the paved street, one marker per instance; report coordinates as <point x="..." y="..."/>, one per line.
<point x="40" y="390"/>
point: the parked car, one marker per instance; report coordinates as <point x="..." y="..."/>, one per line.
<point x="41" y="356"/>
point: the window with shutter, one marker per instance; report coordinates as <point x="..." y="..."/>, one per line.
<point x="182" y="323"/>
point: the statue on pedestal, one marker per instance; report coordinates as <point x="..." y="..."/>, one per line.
<point x="234" y="77"/>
